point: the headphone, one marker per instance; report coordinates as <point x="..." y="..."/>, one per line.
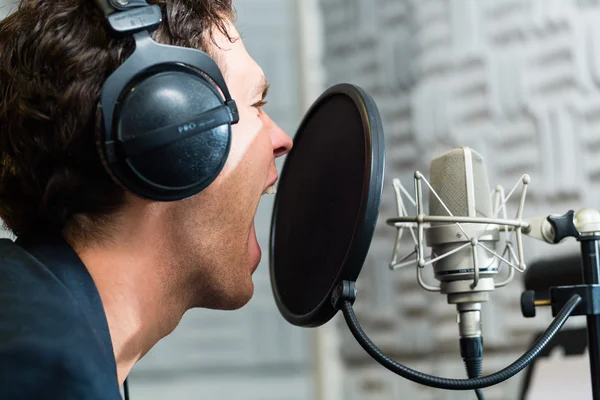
<point x="167" y="113"/>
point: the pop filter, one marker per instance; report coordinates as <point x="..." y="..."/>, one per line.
<point x="327" y="204"/>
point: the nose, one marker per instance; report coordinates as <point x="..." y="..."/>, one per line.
<point x="282" y="143"/>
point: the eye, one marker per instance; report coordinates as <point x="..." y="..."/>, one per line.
<point x="260" y="104"/>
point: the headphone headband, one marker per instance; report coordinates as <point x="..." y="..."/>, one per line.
<point x="130" y="16"/>
<point x="110" y="6"/>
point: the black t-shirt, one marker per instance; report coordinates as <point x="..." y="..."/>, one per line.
<point x="54" y="337"/>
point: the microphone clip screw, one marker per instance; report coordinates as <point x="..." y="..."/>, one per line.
<point x="564" y="226"/>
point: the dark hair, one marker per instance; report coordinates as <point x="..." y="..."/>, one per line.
<point x="54" y="58"/>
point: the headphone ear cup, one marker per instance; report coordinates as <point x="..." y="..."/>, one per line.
<point x="184" y="167"/>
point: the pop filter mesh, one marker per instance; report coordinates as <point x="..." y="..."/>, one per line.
<point x="319" y="203"/>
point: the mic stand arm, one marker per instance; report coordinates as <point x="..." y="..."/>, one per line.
<point x="585" y="227"/>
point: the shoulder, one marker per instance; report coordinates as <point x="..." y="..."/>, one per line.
<point x="47" y="348"/>
<point x="39" y="303"/>
<point x="42" y="369"/>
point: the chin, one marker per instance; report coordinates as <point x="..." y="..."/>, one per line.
<point x="238" y="300"/>
<point x="234" y="298"/>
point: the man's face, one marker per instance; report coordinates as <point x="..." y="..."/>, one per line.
<point x="212" y="234"/>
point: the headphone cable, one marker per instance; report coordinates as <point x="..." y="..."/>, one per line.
<point x="126" y="389"/>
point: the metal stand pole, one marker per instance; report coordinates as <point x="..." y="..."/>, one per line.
<point x="590" y="252"/>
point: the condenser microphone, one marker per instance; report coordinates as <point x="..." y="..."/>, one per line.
<point x="460" y="188"/>
<point x="461" y="229"/>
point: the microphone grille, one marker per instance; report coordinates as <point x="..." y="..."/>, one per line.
<point x="460" y="180"/>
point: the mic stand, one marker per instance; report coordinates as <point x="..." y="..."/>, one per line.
<point x="591" y="278"/>
<point x="588" y="234"/>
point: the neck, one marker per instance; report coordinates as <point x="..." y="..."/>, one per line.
<point x="141" y="308"/>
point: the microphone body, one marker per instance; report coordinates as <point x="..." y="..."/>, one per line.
<point x="463" y="229"/>
<point x="460" y="188"/>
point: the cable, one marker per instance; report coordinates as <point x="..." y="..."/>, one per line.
<point x="457" y="384"/>
<point x="471" y="350"/>
<point x="126" y="389"/>
<point x="479" y="394"/>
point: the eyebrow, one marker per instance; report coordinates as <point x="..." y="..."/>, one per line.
<point x="262" y="89"/>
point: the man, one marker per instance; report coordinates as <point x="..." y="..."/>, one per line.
<point x="98" y="276"/>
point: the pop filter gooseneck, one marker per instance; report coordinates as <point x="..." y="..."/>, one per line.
<point x="327" y="204"/>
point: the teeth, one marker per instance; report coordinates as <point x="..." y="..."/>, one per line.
<point x="270" y="190"/>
